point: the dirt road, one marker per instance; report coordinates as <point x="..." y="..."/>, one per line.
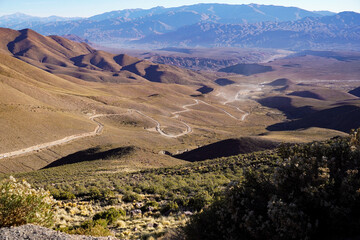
<point x="98" y="130"/>
<point x="234" y="99"/>
<point x="158" y="127"/>
<point x="186" y="109"/>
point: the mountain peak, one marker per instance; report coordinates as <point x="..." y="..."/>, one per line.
<point x="15" y="15"/>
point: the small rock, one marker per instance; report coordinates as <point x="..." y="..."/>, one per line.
<point x="138" y="205"/>
<point x="135" y="212"/>
<point x="188" y="213"/>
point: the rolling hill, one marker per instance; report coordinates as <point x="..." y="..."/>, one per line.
<point x="50" y="87"/>
<point x="307" y="105"/>
<point x="228" y="147"/>
<point x="54" y="89"/>
<point x="38" y="107"/>
<point x="64" y="57"/>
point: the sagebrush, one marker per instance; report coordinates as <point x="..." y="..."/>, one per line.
<point x="20" y="204"/>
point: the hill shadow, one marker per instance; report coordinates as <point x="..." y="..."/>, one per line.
<point x="224" y="81"/>
<point x="247" y="69"/>
<point x="21" y="37"/>
<point x="355" y="92"/>
<point x="226" y="148"/>
<point x="284" y="104"/>
<point x="91" y="154"/>
<point x="306" y="94"/>
<point x="280" y="82"/>
<point x="205" y="89"/>
<point x="341" y="118"/>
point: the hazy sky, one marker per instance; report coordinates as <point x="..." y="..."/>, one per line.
<point x="86" y="8"/>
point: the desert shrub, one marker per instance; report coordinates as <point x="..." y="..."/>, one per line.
<point x="131" y="197"/>
<point x="150" y="206"/>
<point x="96" y="228"/>
<point x="62" y="195"/>
<point x="181" y="201"/>
<point x="313" y="193"/>
<point x="106" y="196"/>
<point x="95" y="193"/>
<point x="200" y="200"/>
<point x="20" y="204"/>
<point x="110" y="215"/>
<point x="170" y="207"/>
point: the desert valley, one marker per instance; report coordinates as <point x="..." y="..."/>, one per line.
<point x="142" y="125"/>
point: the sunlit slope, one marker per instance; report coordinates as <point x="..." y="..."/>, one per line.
<point x="36" y="106"/>
<point x="64" y="57"/>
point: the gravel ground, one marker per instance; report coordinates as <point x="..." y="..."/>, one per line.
<point x="33" y="232"/>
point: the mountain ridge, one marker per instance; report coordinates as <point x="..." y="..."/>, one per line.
<point x="124" y="26"/>
<point x="60" y="56"/>
<point x="341" y="30"/>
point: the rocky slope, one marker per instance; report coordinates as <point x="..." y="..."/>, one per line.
<point x="41" y="233"/>
<point x="339" y="31"/>
<point x="132" y="24"/>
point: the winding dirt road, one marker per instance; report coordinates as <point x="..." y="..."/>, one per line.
<point x="158" y="127"/>
<point x="186" y="109"/>
<point x="236" y="98"/>
<point x="99" y="128"/>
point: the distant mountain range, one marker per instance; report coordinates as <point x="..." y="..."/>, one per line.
<point x="20" y="20"/>
<point x="206" y="25"/>
<point x="340" y="31"/>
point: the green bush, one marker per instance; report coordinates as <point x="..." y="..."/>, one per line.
<point x="20" y="204"/>
<point x="170" y="207"/>
<point x="95" y="193"/>
<point x="313" y="193"/>
<point x="150" y="205"/>
<point x="96" y="228"/>
<point x="62" y="195"/>
<point x="200" y="200"/>
<point x="131" y="197"/>
<point x="110" y="215"/>
<point x="107" y="196"/>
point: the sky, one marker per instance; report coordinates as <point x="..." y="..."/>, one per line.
<point x="87" y="8"/>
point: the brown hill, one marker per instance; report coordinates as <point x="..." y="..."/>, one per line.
<point x="91" y="154"/>
<point x="99" y="59"/>
<point x="37" y="107"/>
<point x="61" y="56"/>
<point x="287" y="106"/>
<point x="306" y="94"/>
<point x="6" y="36"/>
<point x="341" y="118"/>
<point x="33" y="102"/>
<point x="124" y="60"/>
<point x="53" y="50"/>
<point x="322" y="94"/>
<point x="307" y="106"/>
<point x="228" y="147"/>
<point x="280" y="82"/>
